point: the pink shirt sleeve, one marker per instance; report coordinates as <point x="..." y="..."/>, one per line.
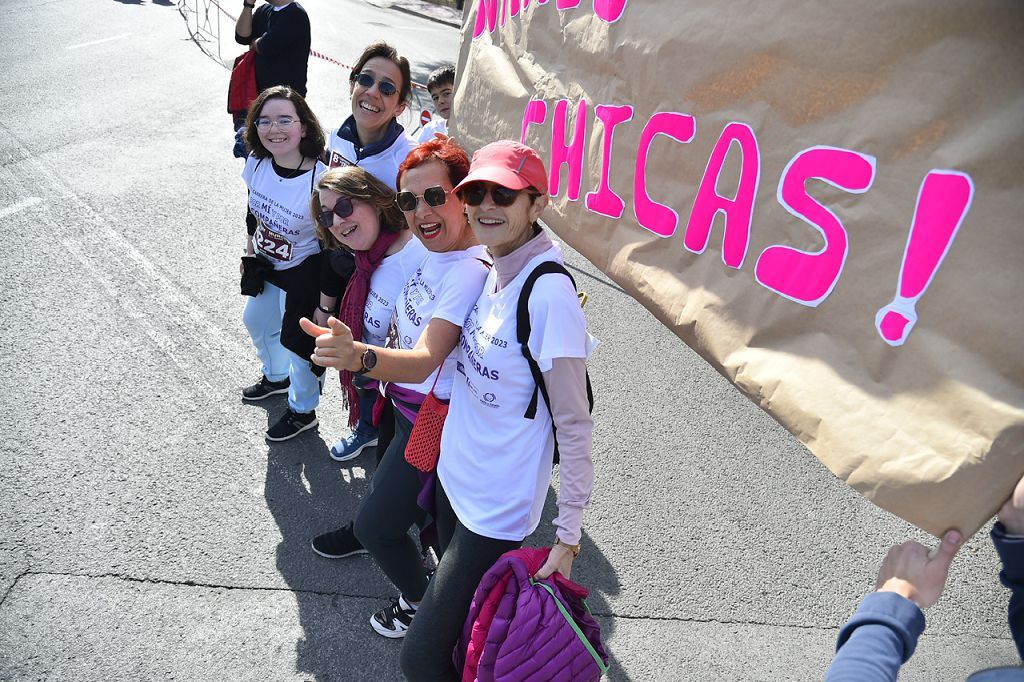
<point x="566" y="382"/>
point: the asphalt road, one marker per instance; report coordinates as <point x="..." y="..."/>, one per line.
<point x="147" y="530"/>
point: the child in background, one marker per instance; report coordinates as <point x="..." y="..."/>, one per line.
<point x="441" y="86"/>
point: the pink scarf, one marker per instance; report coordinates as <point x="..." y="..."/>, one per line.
<point x="352" y="305"/>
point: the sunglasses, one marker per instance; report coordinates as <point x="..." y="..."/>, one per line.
<point x="386" y="88"/>
<point x="342" y="209"/>
<point x="433" y="196"/>
<point x="473" y="194"/>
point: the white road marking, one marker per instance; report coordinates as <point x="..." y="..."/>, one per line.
<point x="97" y="42"/>
<point x="20" y="206"/>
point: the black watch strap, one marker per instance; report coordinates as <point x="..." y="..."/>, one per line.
<point x="368" y="360"/>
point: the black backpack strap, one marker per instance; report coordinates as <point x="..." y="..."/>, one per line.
<point x="523" y="337"/>
<point x="523" y="329"/>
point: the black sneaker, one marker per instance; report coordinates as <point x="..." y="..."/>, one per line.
<point x="265" y="388"/>
<point x="393" y="621"/>
<point x="338" y="544"/>
<point x="291" y="424"/>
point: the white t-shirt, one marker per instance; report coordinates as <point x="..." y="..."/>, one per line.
<point x="495" y="463"/>
<point x="383" y="165"/>
<point x="386" y="285"/>
<point x="434" y="125"/>
<point x="445" y="286"/>
<point x="285" y="232"/>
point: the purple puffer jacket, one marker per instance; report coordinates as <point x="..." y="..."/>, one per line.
<point x="515" y="631"/>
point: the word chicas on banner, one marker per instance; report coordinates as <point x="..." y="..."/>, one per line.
<point x="805" y="277"/>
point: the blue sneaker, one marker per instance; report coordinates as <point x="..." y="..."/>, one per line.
<point x="351" y="446"/>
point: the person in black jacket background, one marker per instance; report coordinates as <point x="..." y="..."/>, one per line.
<point x="279" y="33"/>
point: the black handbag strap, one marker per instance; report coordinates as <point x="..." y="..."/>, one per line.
<point x="523" y="337"/>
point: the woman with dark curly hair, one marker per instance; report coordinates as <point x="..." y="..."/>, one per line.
<point x="281" y="270"/>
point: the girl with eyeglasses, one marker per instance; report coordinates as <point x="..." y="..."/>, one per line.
<point x="370" y="138"/>
<point x="282" y="267"/>
<point x="499" y="439"/>
<point x="428" y="322"/>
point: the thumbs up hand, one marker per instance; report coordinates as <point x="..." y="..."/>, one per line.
<point x="335" y="346"/>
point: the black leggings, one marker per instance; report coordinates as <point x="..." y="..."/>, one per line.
<point x="387" y="513"/>
<point x="437" y="626"/>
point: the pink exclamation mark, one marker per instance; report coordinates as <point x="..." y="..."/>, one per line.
<point x="943" y="201"/>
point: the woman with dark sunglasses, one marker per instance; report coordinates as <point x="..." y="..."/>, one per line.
<point x="371" y="138"/>
<point x="428" y="321"/>
<point x="286" y="142"/>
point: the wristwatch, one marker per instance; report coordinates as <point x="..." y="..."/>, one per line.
<point x="368" y="360"/>
<point x="575" y="549"/>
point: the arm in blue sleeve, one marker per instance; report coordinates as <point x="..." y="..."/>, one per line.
<point x="881" y="636"/>
<point x="1011" y="552"/>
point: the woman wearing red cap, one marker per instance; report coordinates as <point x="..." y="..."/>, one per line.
<point x="495" y="463"/>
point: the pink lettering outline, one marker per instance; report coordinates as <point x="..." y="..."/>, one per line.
<point x="651" y="215"/>
<point x="605" y="201"/>
<point x="487" y="16"/>
<point x="805" y="277"/>
<point x="492" y="13"/>
<point x="563" y="155"/>
<point x="916" y="277"/>
<point x="709" y="203"/>
<point x="610" y="10"/>
<point x="535" y="113"/>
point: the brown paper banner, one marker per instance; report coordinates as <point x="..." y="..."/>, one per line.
<point x="825" y="201"/>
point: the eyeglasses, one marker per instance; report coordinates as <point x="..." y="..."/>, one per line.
<point x="473" y="194"/>
<point x="433" y="196"/>
<point x="264" y="123"/>
<point x="342" y="208"/>
<point x="386" y="88"/>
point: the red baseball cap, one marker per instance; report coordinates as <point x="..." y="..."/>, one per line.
<point x="509" y="164"/>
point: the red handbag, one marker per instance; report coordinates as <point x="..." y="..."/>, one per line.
<point x="242" y="88"/>
<point x="424" y="446"/>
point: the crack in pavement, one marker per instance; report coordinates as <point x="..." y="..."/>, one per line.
<point x="188" y="583"/>
<point x="335" y="595"/>
<point x="321" y="593"/>
<point x="798" y="626"/>
<point x="715" y="621"/>
<point x="13" y="585"/>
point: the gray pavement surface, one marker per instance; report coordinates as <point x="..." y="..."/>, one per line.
<point x="147" y="530"/>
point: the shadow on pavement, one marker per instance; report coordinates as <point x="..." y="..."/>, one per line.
<point x="308" y="493"/>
